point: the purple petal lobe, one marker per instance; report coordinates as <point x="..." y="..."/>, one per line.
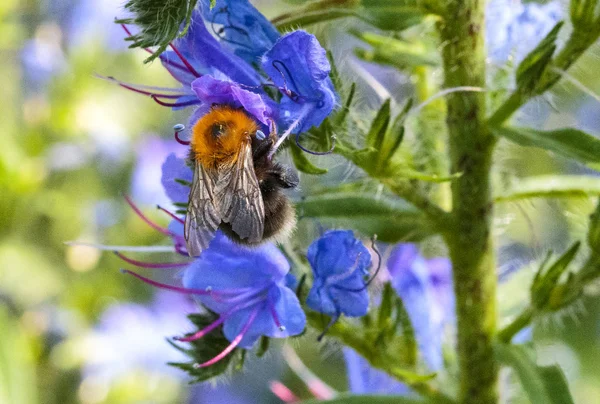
<point x="213" y="91"/>
<point x="172" y="169"/>
<point x="298" y="63"/>
<point x="241" y="27"/>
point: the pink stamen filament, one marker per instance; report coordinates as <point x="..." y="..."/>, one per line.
<point x="142" y="264"/>
<point x="282" y="392"/>
<point x="203" y="331"/>
<point x="188" y="291"/>
<point x="180" y="249"/>
<point x="174" y="64"/>
<point x="145" y="219"/>
<point x="174" y="104"/>
<point x="236" y="341"/>
<point x="219" y="321"/>
<point x="180" y="140"/>
<point x="185" y="61"/>
<point x="275" y="317"/>
<point x="171" y="214"/>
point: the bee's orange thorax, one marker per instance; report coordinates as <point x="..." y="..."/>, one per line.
<point x="218" y="136"/>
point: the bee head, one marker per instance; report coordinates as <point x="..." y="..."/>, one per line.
<point x="217" y="130"/>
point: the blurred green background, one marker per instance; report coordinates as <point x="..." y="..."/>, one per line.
<point x="74" y="330"/>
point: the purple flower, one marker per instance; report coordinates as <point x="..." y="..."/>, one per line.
<point x="299" y="64"/>
<point x="174" y="169"/>
<point x="247" y="288"/>
<point x="425" y="286"/>
<point x="340" y="263"/>
<point x="123" y="340"/>
<point x="364" y="379"/>
<point x="146" y="185"/>
<point x="296" y="65"/>
<point x="241" y="27"/>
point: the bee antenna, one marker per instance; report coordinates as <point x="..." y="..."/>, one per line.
<point x="304" y="149"/>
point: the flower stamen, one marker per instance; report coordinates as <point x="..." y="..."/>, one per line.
<point x="185" y="61"/>
<point x="304" y="149"/>
<point x="177" y="129"/>
<point x="236" y="341"/>
<point x="148" y="221"/>
<point x="171" y="214"/>
<point x="275" y="317"/>
<point x="150" y="265"/>
<point x="173" y="104"/>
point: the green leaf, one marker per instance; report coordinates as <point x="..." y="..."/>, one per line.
<point x="395" y="134"/>
<point x="526" y="369"/>
<point x="362" y="399"/>
<point x="556" y="384"/>
<point x="387" y="303"/>
<point x="392" y="15"/>
<point x="391" y="221"/>
<point x="551" y="186"/>
<point x="546" y="280"/>
<point x="379" y="126"/>
<point x="340" y="116"/>
<point x="394" y="52"/>
<point x="264" y="346"/>
<point x="306" y="18"/>
<point x="534" y="65"/>
<point x="409" y="349"/>
<point x="542" y="384"/>
<point x="302" y="162"/>
<point x="593" y="237"/>
<point x="159" y="22"/>
<point x="567" y="142"/>
<point x="206" y="348"/>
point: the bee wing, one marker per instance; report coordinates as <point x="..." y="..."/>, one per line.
<point x="202" y="218"/>
<point x="241" y="203"/>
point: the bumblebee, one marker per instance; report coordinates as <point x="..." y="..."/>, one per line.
<point x="236" y="185"/>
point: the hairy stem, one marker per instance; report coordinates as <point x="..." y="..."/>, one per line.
<point x="429" y="154"/>
<point x="470" y="242"/>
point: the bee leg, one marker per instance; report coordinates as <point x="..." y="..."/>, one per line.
<point x="262" y="149"/>
<point x="285" y="176"/>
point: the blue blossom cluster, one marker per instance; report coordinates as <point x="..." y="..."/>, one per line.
<point x="240" y="62"/>
<point x="515" y="27"/>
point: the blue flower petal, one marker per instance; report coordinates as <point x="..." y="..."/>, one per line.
<point x="297" y="62"/>
<point x="425" y="287"/>
<point x="289" y="313"/>
<point x="226" y="265"/>
<point x="337" y="251"/>
<point x="213" y="91"/>
<point x="175" y="168"/>
<point x="206" y="55"/>
<point x="364" y="379"/>
<point x="242" y="27"/>
<point x="339" y="262"/>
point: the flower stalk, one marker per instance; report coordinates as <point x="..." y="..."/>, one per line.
<point x="470" y="243"/>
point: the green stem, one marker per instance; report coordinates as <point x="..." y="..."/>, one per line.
<point x="353" y="338"/>
<point x="412" y="194"/>
<point x="429" y="153"/>
<point x="522" y="321"/>
<point x="470" y="242"/>
<point x="578" y="43"/>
